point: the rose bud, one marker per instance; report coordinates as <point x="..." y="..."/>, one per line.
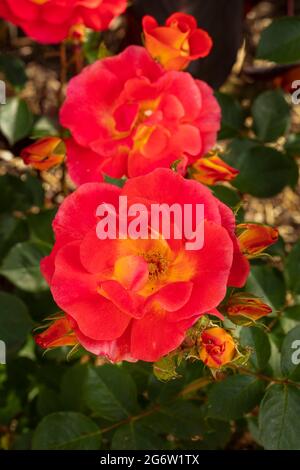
<point x="255" y="238"/>
<point x="243" y="305"/>
<point x="177" y="43"/>
<point x="59" y="333"/>
<point x="211" y="170"/>
<point x="44" y="153"/>
<point x="217" y="347"/>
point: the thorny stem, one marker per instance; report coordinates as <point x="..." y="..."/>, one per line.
<point x="266" y="378"/>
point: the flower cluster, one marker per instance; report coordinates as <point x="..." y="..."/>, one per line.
<point x="52" y="21"/>
<point x="138" y="115"/>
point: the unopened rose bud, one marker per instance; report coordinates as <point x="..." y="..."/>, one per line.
<point x="44" y="153"/>
<point x="217" y="347"/>
<point x="59" y="333"/>
<point x="242" y="305"/>
<point x="254" y="238"/>
<point x="211" y="170"/>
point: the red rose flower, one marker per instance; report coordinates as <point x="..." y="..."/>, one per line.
<point x="127" y="113"/>
<point x="50" y="21"/>
<point x="177" y="43"/>
<point x="135" y="298"/>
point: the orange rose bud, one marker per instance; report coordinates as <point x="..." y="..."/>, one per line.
<point x="217" y="347"/>
<point x="58" y="334"/>
<point x="210" y="170"/>
<point x="243" y="305"/>
<point x="255" y="238"/>
<point x="44" y="153"/>
<point x="177" y="43"/>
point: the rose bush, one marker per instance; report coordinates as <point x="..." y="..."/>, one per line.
<point x="51" y="21"/>
<point x="128" y="116"/>
<point x="147" y="342"/>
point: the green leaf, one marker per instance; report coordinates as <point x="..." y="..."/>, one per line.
<point x="15" y="323"/>
<point x="135" y="436"/>
<point x="44" y="127"/>
<point x="91" y="46"/>
<point x="21" y="266"/>
<point x="72" y="387"/>
<point x="234" y="396"/>
<point x="257" y="340"/>
<point x="292" y="269"/>
<point x="40" y="226"/>
<point x="16" y="120"/>
<point x="264" y="171"/>
<point x="10" y="408"/>
<point x="279" y="425"/>
<point x="271" y="115"/>
<point x="48" y="401"/>
<point x="292" y="145"/>
<point x="12" y="231"/>
<point x="292" y="313"/>
<point x="163" y="392"/>
<point x="231" y="198"/>
<point x="267" y="283"/>
<point x="165" y="368"/>
<point x="277" y="249"/>
<point x="140" y="372"/>
<point x="20" y="194"/>
<point x="110" y="392"/>
<point x="14" y="70"/>
<point x="280" y="42"/>
<point x="232" y="116"/>
<point x="216" y="436"/>
<point x="66" y="431"/>
<point x="182" y="419"/>
<point x="290" y="354"/>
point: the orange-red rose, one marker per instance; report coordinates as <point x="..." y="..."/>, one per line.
<point x="128" y="116"/>
<point x="178" y="42"/>
<point x="50" y="21"/>
<point x="135" y="298"/>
